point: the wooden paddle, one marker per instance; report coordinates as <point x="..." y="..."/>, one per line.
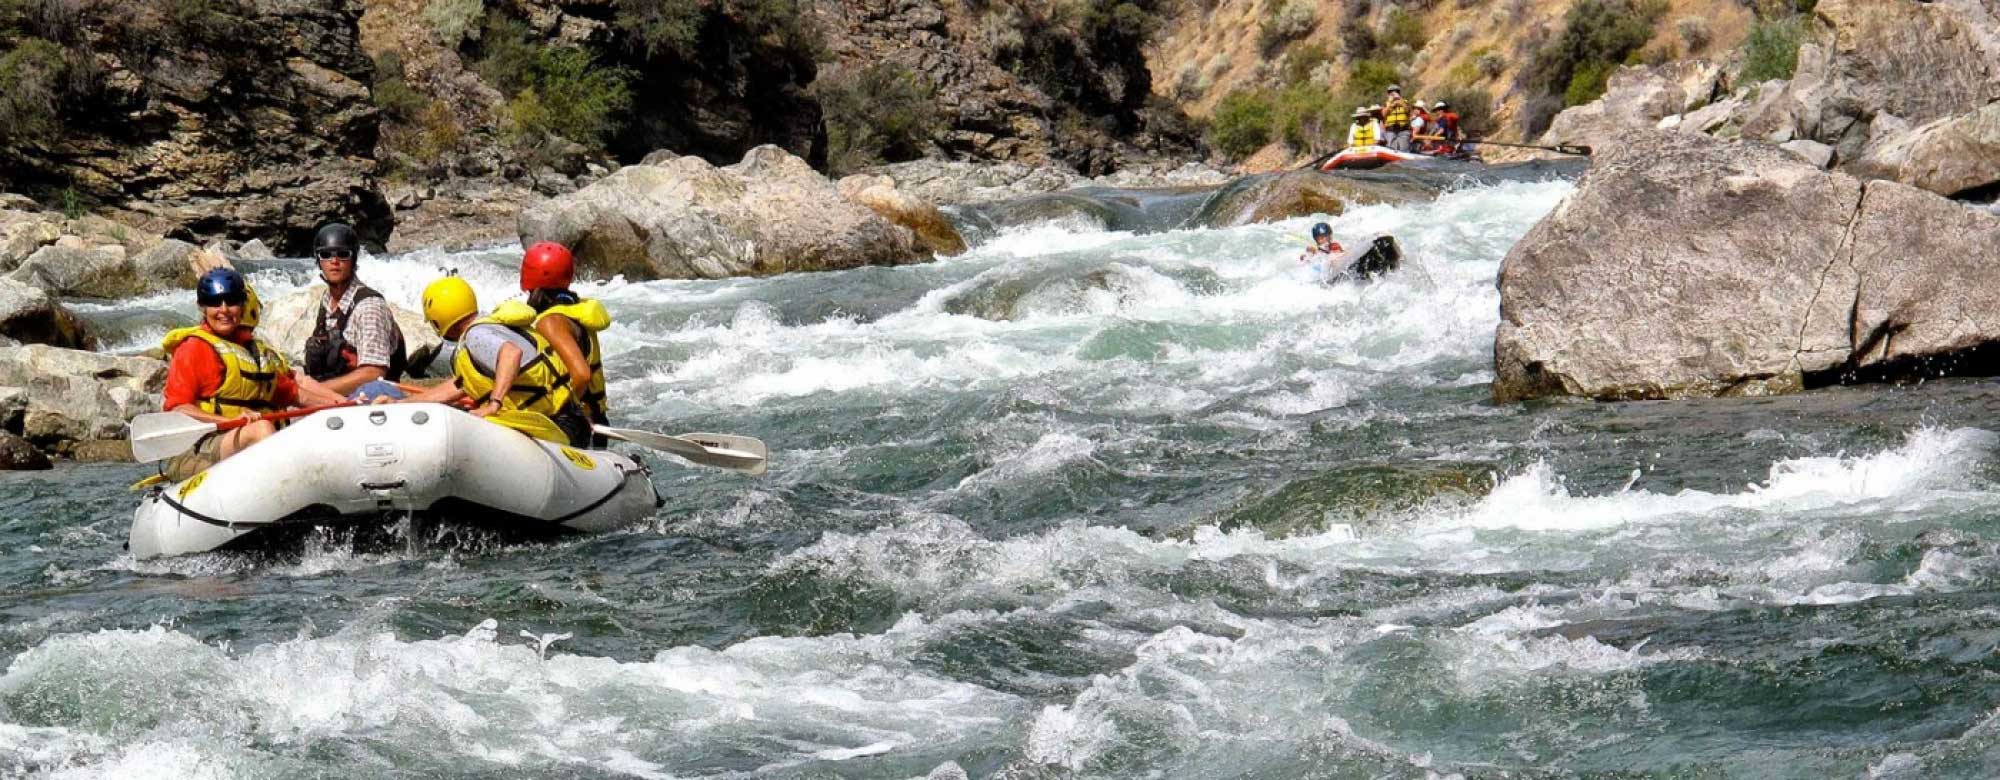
<point x="162" y="435"/>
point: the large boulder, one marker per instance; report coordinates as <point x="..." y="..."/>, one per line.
<point x="29" y="315"/>
<point x="1299" y="193"/>
<point x="73" y="396"/>
<point x="1688" y="266"/>
<point x="77" y="269"/>
<point x="682" y="218"/>
<point x="1637" y="96"/>
<point x="1914" y="59"/>
<point x="288" y="322"/>
<point x="1949" y="156"/>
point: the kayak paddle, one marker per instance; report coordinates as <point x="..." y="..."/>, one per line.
<point x="162" y="435"/>
<point x="741" y="454"/>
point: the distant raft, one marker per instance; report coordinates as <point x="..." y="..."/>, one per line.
<point x="1381" y="257"/>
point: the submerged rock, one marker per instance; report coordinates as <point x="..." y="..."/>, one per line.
<point x="1273" y="197"/>
<point x="686" y="219"/>
<point x="880" y="195"/>
<point x="16" y="454"/>
<point x="68" y="396"/>
<point x="1687" y="266"/>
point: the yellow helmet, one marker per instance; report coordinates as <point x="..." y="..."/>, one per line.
<point x="252" y="308"/>
<point x="448" y="301"/>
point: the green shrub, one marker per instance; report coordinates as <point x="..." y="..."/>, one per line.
<point x="1367" y="83"/>
<point x="1357" y="41"/>
<point x="1241" y="124"/>
<point x="1587" y="83"/>
<point x="398" y="101"/>
<point x="882" y="113"/>
<point x="1596" y="35"/>
<point x="1491" y="65"/>
<point x="450" y="19"/>
<point x="1287" y="20"/>
<point x="572" y="96"/>
<point x="1694" y="32"/>
<point x="1304" y="60"/>
<point x="1305" y="115"/>
<point x="1402" y="28"/>
<point x="30" y="105"/>
<point x="1771" y="51"/>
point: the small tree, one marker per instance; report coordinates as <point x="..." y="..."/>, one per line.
<point x="1241" y="124"/>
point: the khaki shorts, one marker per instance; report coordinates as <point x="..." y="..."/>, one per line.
<point x="206" y="453"/>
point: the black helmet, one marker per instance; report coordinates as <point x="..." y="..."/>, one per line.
<point x="220" y="286"/>
<point x="336" y="237"/>
<point x="1322" y="229"/>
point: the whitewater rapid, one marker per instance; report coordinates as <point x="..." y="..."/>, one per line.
<point x="1082" y="503"/>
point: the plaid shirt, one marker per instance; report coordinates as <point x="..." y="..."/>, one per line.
<point x="371" y="331"/>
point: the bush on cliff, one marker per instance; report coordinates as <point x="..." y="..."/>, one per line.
<point x="1772" y="50"/>
<point x="1597" y="36"/>
<point x="1241" y="124"/>
<point x="552" y="90"/>
<point x="29" y="106"/>
<point x="881" y="113"/>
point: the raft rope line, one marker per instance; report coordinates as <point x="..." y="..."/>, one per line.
<point x="161" y="494"/>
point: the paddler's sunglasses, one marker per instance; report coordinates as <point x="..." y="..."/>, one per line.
<point x="335" y="254"/>
<point x="228" y="299"/>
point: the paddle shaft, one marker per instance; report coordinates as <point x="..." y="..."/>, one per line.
<point x="1558" y="148"/>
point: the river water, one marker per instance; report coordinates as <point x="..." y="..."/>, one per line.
<point x="1081" y="503"/>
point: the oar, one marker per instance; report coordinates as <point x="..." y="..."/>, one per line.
<point x="162" y="435"/>
<point x="740" y="454"/>
<point x="1558" y="148"/>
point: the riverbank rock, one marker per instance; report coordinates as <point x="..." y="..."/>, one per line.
<point x="1960" y="154"/>
<point x="16" y="454"/>
<point x="249" y="119"/>
<point x="69" y="397"/>
<point x="952" y="183"/>
<point x="30" y="316"/>
<point x="880" y="195"/>
<point x="1687" y="266"/>
<point x="1637" y="96"/>
<point x="288" y="322"/>
<point x="682" y="218"/>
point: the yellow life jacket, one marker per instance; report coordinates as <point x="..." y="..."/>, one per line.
<point x="1364" y="135"/>
<point x="249" y="372"/>
<point x="542" y="386"/>
<point x="588" y="313"/>
<point x="1396" y="115"/>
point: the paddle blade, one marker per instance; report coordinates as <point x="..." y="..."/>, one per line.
<point x="162" y="435"/>
<point x="750" y="459"/>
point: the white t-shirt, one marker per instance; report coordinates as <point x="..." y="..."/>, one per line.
<point x="483" y="341"/>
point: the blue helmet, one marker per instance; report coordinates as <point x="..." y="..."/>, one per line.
<point x="221" y="286"/>
<point x="1322" y="229"/>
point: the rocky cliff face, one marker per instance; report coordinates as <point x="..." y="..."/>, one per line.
<point x="244" y="118"/>
<point x="1688" y="266"/>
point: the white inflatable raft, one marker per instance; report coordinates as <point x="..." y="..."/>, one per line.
<point x="366" y="463"/>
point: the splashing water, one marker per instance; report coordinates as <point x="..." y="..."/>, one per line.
<point x="1080" y="503"/>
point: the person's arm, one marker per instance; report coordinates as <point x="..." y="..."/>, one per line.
<point x="353" y="380"/>
<point x="503" y="378"/>
<point x="559" y="334"/>
<point x="446" y="392"/>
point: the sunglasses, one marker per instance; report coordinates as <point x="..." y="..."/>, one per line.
<point x="335" y="254"/>
<point x="210" y="301"/>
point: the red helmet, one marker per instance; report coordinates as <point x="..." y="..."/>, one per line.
<point x="547" y="266"/>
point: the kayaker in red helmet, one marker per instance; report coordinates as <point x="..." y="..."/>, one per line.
<point x="569" y="322"/>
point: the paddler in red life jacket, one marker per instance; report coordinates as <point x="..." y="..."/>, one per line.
<point x="1444" y="128"/>
<point x="568" y="322"/>
<point x="502" y="367"/>
<point x="355" y="342"/>
<point x="219" y="370"/>
<point x="1323" y="244"/>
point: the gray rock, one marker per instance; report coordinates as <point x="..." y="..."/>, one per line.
<point x="16" y="454"/>
<point x="29" y="315"/>
<point x="254" y="250"/>
<point x="686" y="219"/>
<point x="947" y="183"/>
<point x="1819" y="154"/>
<point x="1947" y="156"/>
<point x="1686" y="266"/>
<point x="74" y="396"/>
<point x="879" y="194"/>
<point x="24" y="232"/>
<point x="1637" y="96"/>
<point x="1273" y="197"/>
<point x="70" y="267"/>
